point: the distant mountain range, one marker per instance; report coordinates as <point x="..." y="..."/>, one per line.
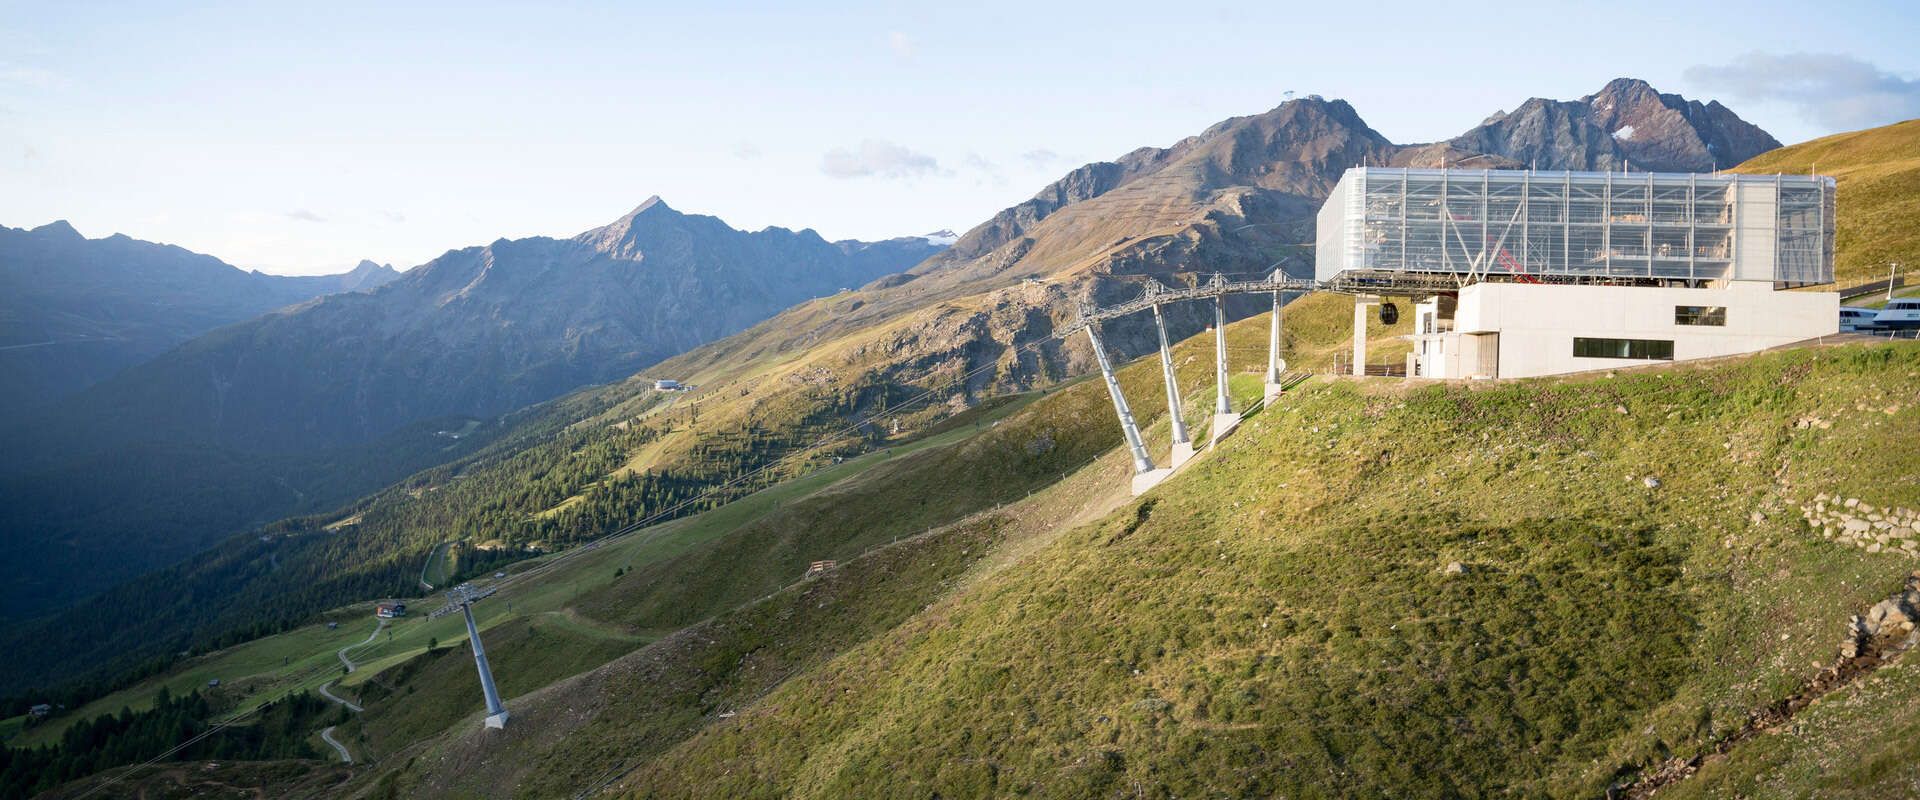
<point x="74" y="311"/>
<point x="472" y="334"/>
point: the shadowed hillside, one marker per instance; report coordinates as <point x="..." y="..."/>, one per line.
<point x="75" y="311"/>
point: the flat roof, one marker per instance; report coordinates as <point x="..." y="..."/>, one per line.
<point x="1602" y="176"/>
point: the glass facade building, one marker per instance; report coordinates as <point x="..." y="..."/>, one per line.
<point x="1579" y="227"/>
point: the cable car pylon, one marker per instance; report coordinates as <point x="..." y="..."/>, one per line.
<point x="461" y="598"/>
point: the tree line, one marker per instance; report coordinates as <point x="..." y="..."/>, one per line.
<point x="280" y="729"/>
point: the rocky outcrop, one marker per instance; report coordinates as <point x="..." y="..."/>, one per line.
<point x="1871" y="641"/>
<point x="1851" y="522"/>
<point x="1627" y="124"/>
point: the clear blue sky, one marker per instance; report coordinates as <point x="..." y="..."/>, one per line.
<point x="303" y="138"/>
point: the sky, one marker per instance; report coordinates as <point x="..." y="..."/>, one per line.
<point x="303" y="138"/>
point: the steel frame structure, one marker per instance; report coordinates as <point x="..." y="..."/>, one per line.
<point x="1582" y="226"/>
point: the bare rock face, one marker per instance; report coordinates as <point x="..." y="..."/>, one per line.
<point x="1627" y="124"/>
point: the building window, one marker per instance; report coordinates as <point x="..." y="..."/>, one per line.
<point x="1700" y="315"/>
<point x="1642" y="349"/>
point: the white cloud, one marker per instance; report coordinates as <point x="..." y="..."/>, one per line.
<point x="746" y="151"/>
<point x="900" y="44"/>
<point x="880" y="159"/>
<point x="1839" y="91"/>
<point x="1040" y="158"/>
<point x="987" y="171"/>
<point x="304" y="215"/>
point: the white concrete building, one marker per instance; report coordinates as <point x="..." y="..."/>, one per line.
<point x="1531" y="273"/>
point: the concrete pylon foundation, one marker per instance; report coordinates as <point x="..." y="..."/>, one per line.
<point x="1182" y="453"/>
<point x="1149" y="479"/>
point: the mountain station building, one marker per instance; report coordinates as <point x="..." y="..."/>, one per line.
<point x="1521" y="272"/>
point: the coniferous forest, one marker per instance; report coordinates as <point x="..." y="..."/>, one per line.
<point x="280" y="729"/>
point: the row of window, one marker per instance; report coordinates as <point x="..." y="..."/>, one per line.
<point x="1641" y="349"/>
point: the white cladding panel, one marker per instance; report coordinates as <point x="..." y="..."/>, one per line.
<point x="1538" y="323"/>
<point x="1755" y="229"/>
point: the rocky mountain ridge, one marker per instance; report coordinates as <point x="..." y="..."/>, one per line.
<point x="1625" y="125"/>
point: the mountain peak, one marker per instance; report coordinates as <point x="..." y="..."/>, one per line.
<point x="1625" y="86"/>
<point x="1627" y="123"/>
<point x="59" y="227"/>
<point x="607" y="238"/>
<point x="652" y="202"/>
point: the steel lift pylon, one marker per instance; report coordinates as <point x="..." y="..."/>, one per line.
<point x="1276" y="366"/>
<point x="1145" y="474"/>
<point x="461" y="598"/>
<point x="1224" y="418"/>
<point x="1182" y="443"/>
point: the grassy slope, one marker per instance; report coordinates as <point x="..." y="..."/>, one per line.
<point x="1878" y="171"/>
<point x="770" y="537"/>
<point x="305" y="658"/>
<point x="250" y="673"/>
<point x="1276" y="621"/>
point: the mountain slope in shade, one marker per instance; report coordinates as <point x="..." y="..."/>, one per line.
<point x="481" y="331"/>
<point x="475" y="333"/>
<point x="1627" y="124"/>
<point x="74" y="311"/>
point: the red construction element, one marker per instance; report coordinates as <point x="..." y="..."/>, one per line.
<point x="1506" y="259"/>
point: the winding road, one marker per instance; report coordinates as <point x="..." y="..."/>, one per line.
<point x="345" y="757"/>
<point x="378" y="625"/>
<point x="327" y="735"/>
